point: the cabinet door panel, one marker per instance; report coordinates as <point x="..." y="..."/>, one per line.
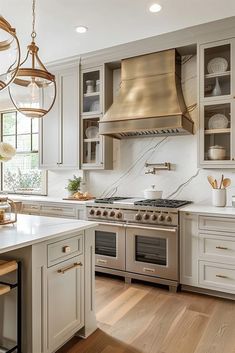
<point x="65" y="301"/>
<point x="69" y="118"/>
<point x="189" y="249"/>
<point x="49" y="136"/>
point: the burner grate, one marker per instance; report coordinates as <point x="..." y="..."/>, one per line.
<point x="162" y="203"/>
<point x="111" y="199"/>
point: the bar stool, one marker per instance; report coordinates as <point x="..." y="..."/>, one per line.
<point x="7" y="267"/>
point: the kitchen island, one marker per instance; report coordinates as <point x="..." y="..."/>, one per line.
<point x="57" y="278"/>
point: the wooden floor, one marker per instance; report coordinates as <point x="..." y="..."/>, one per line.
<point x="144" y="319"/>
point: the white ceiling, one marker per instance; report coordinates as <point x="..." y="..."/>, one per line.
<point x="110" y="22"/>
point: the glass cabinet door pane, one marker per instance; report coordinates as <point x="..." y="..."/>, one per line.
<point x="217" y="71"/>
<point x="217" y="132"/>
<point x="105" y="243"/>
<point x="91" y="92"/>
<point x="151" y="250"/>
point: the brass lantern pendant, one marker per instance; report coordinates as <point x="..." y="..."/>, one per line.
<point x="9" y="54"/>
<point x="33" y="91"/>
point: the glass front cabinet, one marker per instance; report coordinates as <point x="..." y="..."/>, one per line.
<point x="217" y="104"/>
<point x="96" y="149"/>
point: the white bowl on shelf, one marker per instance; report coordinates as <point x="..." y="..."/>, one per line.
<point x="92" y="132"/>
<point x="216" y="153"/>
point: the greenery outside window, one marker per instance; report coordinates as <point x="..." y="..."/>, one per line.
<point x="21" y="174"/>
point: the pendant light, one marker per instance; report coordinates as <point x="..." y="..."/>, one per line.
<point x="9" y="54"/>
<point x="33" y="92"/>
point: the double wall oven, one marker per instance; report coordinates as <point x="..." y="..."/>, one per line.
<point x="136" y="240"/>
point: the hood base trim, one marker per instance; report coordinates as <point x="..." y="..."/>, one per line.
<point x="167" y="125"/>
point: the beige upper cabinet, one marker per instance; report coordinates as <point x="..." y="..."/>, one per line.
<point x="217" y="104"/>
<point x="96" y="98"/>
<point x="59" y="129"/>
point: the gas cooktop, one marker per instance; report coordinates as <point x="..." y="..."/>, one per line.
<point x="167" y="203"/>
<point x="162" y="203"/>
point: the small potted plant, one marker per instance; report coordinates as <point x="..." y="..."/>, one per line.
<point x="74" y="185"/>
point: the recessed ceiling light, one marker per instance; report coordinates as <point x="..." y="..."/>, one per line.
<point x="81" y="29"/>
<point x="155" y="8"/>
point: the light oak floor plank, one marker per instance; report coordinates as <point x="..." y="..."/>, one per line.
<point x="141" y="318"/>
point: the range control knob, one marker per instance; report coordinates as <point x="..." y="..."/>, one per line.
<point x="92" y="212"/>
<point x="146" y="216"/>
<point x="119" y="215"/>
<point x="105" y="213"/>
<point x="168" y="219"/>
<point x="98" y="213"/>
<point x="161" y="218"/>
<point x="138" y="217"/>
<point x="111" y="213"/>
<point x="154" y="217"/>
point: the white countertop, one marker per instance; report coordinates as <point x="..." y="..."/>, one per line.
<point x="35" y="198"/>
<point x="35" y="229"/>
<point x="208" y="209"/>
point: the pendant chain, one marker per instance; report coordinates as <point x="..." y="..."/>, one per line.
<point x="33" y="34"/>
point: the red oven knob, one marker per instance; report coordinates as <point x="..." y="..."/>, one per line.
<point x="138" y="217"/>
<point x="112" y="213"/>
<point x="92" y="212"/>
<point x="161" y="218"/>
<point x="119" y="215"/>
<point x="105" y="213"/>
<point x="98" y="213"/>
<point x="154" y="217"/>
<point x="146" y="216"/>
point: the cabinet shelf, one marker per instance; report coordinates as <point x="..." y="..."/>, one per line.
<point x="97" y="139"/>
<point x="93" y="94"/>
<point x="217" y="131"/>
<point x="218" y="74"/>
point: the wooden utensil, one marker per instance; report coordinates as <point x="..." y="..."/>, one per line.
<point x="215" y="184"/>
<point x="221" y="182"/>
<point x="226" y="183"/>
<point x="211" y="180"/>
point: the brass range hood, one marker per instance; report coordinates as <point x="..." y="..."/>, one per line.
<point x="150" y="101"/>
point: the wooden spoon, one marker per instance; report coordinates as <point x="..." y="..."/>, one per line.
<point x="215" y="184"/>
<point x="221" y="182"/>
<point x="226" y="183"/>
<point x="211" y="180"/>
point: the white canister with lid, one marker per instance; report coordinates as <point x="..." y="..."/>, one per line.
<point x="152" y="193"/>
<point x="216" y="152"/>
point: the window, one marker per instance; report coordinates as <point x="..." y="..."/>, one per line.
<point x="21" y="173"/>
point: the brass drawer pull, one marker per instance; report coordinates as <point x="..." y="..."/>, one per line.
<point x="221" y="276"/>
<point x="100" y="261"/>
<point x="146" y="269"/>
<point x="66" y="249"/>
<point x="56" y="209"/>
<point x="68" y="268"/>
<point x="221" y="248"/>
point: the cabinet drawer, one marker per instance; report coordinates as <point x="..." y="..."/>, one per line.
<point x="59" y="211"/>
<point x="217" y="276"/>
<point x="220" y="224"/>
<point x="65" y="249"/>
<point x="30" y="208"/>
<point x="217" y="248"/>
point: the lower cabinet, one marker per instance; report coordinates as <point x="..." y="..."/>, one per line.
<point x="189" y="249"/>
<point x="65" y="292"/>
<point x="207" y="255"/>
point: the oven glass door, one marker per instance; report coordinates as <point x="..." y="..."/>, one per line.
<point x="110" y="246"/>
<point x="152" y="251"/>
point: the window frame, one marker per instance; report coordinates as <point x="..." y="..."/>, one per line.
<point x="44" y="189"/>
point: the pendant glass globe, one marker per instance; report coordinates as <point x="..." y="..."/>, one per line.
<point x="33" y="91"/>
<point x="9" y="54"/>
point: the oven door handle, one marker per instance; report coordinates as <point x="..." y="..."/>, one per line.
<point x="110" y="224"/>
<point x="172" y="230"/>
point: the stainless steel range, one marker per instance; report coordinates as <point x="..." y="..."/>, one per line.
<point x="137" y="238"/>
